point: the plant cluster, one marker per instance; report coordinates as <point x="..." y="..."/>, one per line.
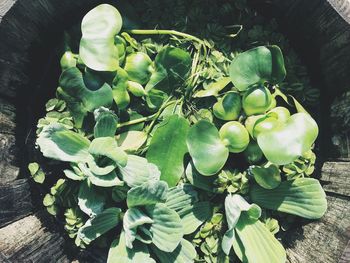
<point x="175" y="152"/>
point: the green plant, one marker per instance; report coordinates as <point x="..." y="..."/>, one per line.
<point x="151" y="144"/>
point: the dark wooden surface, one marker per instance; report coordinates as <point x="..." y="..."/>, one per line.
<point x="26" y="235"/>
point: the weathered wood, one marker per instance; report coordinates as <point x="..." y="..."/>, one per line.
<point x="5" y="6"/>
<point x="324" y="240"/>
<point x="15" y="201"/>
<point x="336" y="177"/>
<point x="7" y="117"/>
<point x="28" y="240"/>
<point x="9" y="166"/>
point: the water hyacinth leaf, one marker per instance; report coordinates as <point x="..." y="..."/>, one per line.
<point x="131" y="141"/>
<point x="106" y="123"/>
<point x="147" y="194"/>
<point x="234" y="206"/>
<point x="255" y="243"/>
<point x="185" y="252"/>
<point x="181" y="198"/>
<point x="177" y="64"/>
<point x="120" y="253"/>
<point x="213" y="89"/>
<point x="302" y="197"/>
<point x="159" y="80"/>
<point x="168" y="147"/>
<point x="155" y="98"/>
<point x="119" y="89"/>
<point x="167" y="227"/>
<point x="256" y="66"/>
<point x="99" y="27"/>
<point x="138" y="171"/>
<point x="90" y="200"/>
<point x="73" y="176"/>
<point x="100" y="224"/>
<point x="208" y="152"/>
<point x="107" y="146"/>
<point x="267" y="176"/>
<point x="134" y="218"/>
<point x="58" y="143"/>
<point x="228" y="107"/>
<point x="139" y="67"/>
<point x="107" y="180"/>
<point x="79" y="99"/>
<point x="285" y="143"/>
<point x="196" y="216"/>
<point x="205" y="183"/>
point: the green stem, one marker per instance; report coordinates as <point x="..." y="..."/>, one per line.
<point x="166" y="104"/>
<point x="152" y="117"/>
<point x="132" y="122"/>
<point x="168" y="32"/>
<point x="163" y="32"/>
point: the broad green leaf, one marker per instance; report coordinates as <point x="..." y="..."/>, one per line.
<point x="108" y="147"/>
<point x="56" y="142"/>
<point x="177" y="64"/>
<point x="208" y="152"/>
<point x="100" y="224"/>
<point x="119" y="89"/>
<point x="107" y="180"/>
<point x="158" y="82"/>
<point x="168" y="147"/>
<point x="155" y="99"/>
<point x="73" y="176"/>
<point x="167" y="227"/>
<point x="138" y="171"/>
<point x="213" y="89"/>
<point x="138" y="65"/>
<point x="267" y="176"/>
<point x="181" y="198"/>
<point x="184" y="253"/>
<point x="255" y="243"/>
<point x="205" y="183"/>
<point x="199" y="213"/>
<point x="131" y="141"/>
<point x="147" y="194"/>
<point x="134" y="218"/>
<point x="257" y="66"/>
<point x="286" y="142"/>
<point x="90" y="200"/>
<point x="99" y="27"/>
<point x="228" y="107"/>
<point x="120" y="253"/>
<point x="81" y="100"/>
<point x="302" y="197"/>
<point x="234" y="205"/>
<point x="106" y="123"/>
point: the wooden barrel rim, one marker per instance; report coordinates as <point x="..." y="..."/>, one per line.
<point x="27" y="234"/>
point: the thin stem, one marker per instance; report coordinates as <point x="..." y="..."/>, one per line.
<point x="132" y="122"/>
<point x="163" y="32"/>
<point x="166" y="104"/>
<point x="145" y="119"/>
<point x="168" y="32"/>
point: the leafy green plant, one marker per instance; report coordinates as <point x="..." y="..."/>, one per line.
<point x="171" y="151"/>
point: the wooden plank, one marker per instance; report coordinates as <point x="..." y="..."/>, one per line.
<point x="28" y="240"/>
<point x="323" y="240"/>
<point x="5" y="6"/>
<point x="9" y="163"/>
<point x="7" y="117"/>
<point x="15" y="201"/>
<point x="336" y="177"/>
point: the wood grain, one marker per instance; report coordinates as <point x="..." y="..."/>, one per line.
<point x="29" y="240"/>
<point x="15" y="201"/>
<point x="323" y="240"/>
<point x="336" y="177"/>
